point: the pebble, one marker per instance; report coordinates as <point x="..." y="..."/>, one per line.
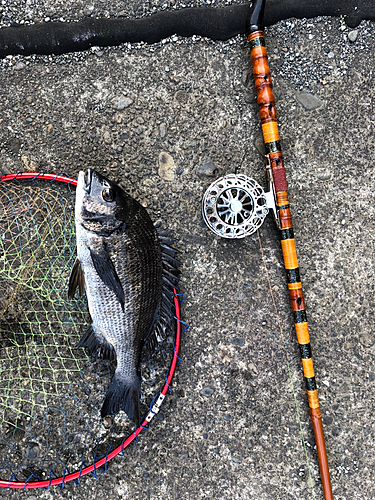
<point x="123" y="136"/>
<point x="239" y="296"/>
<point x="29" y="165"/>
<point x="181" y="96"/>
<point x="207" y="167"/>
<point x="308" y="101"/>
<point x="240" y="341"/>
<point x="353" y="35"/>
<point x="34" y="451"/>
<point x="19" y="65"/>
<point x="207" y="392"/>
<point x="366" y="339"/>
<point x="167" y="167"/>
<point x="107" y="137"/>
<point x="14" y="145"/>
<point x="366" y="430"/>
<point x="121" y="102"/>
<point x="148" y="182"/>
<point x="162" y="130"/>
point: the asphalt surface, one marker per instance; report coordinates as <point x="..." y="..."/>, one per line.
<point x="230" y="428"/>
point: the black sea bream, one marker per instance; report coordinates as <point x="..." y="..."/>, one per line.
<point x="129" y="272"/>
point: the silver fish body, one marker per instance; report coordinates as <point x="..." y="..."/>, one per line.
<point x="129" y="272"/>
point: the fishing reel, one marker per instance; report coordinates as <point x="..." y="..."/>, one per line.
<point x="235" y="205"/>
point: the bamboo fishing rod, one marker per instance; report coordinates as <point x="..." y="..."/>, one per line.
<point x="267" y="113"/>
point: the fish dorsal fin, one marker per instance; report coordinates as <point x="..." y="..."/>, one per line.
<point x="107" y="273"/>
<point x="76" y="280"/>
<point x="163" y="316"/>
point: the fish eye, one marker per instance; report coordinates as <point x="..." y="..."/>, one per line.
<point x="108" y="194"/>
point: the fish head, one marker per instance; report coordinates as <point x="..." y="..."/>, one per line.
<point x="101" y="205"/>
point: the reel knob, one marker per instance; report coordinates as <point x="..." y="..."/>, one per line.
<point x="234" y="206"/>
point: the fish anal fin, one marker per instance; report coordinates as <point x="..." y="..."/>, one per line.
<point x="122" y="396"/>
<point x="107" y="273"/>
<point x="76" y="280"/>
<point x="97" y="346"/>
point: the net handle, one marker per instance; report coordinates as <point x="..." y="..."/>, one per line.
<point x="133" y="436"/>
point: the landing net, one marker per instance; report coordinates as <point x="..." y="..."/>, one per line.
<point x="51" y="392"/>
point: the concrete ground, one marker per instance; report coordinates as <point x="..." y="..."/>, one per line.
<point x="232" y="426"/>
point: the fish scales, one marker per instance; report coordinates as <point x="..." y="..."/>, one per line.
<point x="120" y="264"/>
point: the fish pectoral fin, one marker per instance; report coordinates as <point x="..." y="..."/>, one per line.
<point x="107" y="273"/>
<point x="97" y="346"/>
<point x="76" y="280"/>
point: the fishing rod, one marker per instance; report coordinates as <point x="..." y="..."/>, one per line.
<point x="276" y="170"/>
<point x="236" y="206"/>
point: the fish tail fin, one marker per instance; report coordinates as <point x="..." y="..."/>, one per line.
<point x="122" y="396"/>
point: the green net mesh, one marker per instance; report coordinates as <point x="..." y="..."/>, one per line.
<point x="50" y="391"/>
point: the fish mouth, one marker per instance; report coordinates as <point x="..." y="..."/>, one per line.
<point x="85" y="180"/>
<point x="88" y="179"/>
<point x="84" y="183"/>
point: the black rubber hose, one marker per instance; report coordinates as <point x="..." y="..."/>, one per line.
<point x="215" y="23"/>
<point x="59" y="38"/>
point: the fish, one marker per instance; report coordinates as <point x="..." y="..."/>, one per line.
<point x="129" y="272"/>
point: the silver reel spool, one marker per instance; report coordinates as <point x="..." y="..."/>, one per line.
<point x="235" y="206"/>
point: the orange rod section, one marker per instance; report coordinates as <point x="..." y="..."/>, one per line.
<point x="289" y="253"/>
<point x="308" y="369"/>
<point x="270" y="131"/>
<point x="302" y="331"/>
